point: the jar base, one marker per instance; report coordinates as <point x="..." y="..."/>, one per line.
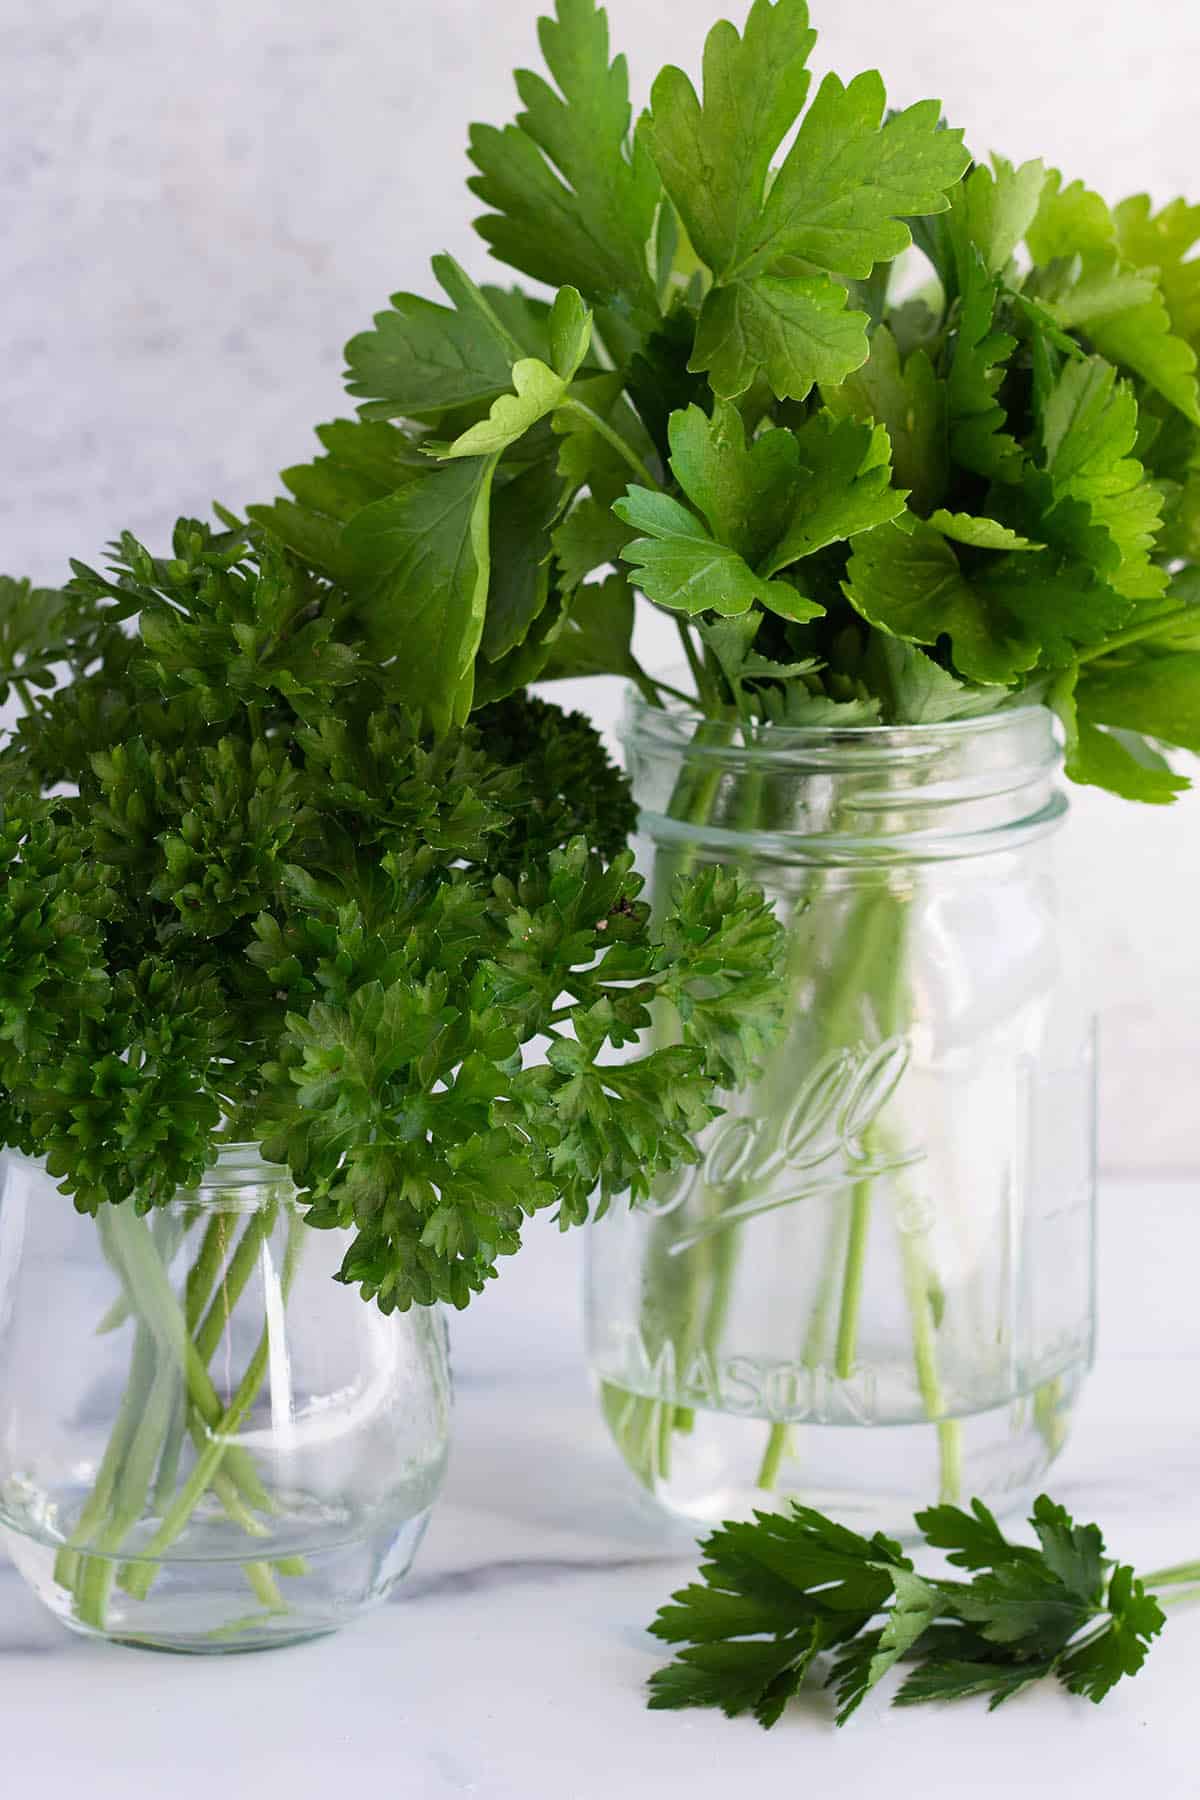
<point x="211" y="1608"/>
<point x="704" y="1467"/>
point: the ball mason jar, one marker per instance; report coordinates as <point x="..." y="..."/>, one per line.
<point x="874" y="1288"/>
<point x="206" y="1443"/>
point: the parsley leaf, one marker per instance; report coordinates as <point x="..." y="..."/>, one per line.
<point x="420" y="563"/>
<point x="423" y="361"/>
<point x="838" y="201"/>
<point x="572" y="204"/>
<point x="681" y="567"/>
<point x="774" y="1593"/>
<point x="1088" y="430"/>
<point x="1004" y="617"/>
<point x="539" y="387"/>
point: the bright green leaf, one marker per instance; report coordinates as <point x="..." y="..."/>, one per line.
<point x="1089" y="428"/>
<point x="572" y="204"/>
<point x="909" y="400"/>
<point x="745" y="491"/>
<point x="845" y="488"/>
<point x="978" y="439"/>
<point x="714" y="156"/>
<point x="681" y="567"/>
<point x="424" y="360"/>
<point x="795" y="329"/>
<point x="981" y="534"/>
<point x="1162" y="241"/>
<point x="421" y="558"/>
<point x="851" y="179"/>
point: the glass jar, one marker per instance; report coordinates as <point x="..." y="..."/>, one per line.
<point x="875" y="1285"/>
<point x="205" y="1442"/>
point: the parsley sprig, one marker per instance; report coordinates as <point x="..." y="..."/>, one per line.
<point x="784" y="1589"/>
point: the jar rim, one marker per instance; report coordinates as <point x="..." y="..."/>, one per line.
<point x="673" y="713"/>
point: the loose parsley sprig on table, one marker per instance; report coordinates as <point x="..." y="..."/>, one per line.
<point x="777" y="1592"/>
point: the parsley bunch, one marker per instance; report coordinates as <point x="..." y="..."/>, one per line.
<point x="778" y="1592"/>
<point x="868" y="486"/>
<point x="246" y="895"/>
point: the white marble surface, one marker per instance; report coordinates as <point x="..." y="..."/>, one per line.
<point x="511" y="1666"/>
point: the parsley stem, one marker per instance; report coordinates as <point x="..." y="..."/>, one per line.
<point x="22" y="690"/>
<point x="603" y="429"/>
<point x="1175" y="1576"/>
<point x="217" y="1446"/>
<point x="1188" y="1597"/>
<point x="693" y="660"/>
<point x="778" y="1440"/>
<point x="1136" y="634"/>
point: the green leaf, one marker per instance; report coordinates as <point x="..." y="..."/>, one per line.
<point x="38" y="627"/>
<point x="525" y="663"/>
<point x="1136" y="1618"/>
<point x="363" y="462"/>
<point x="422" y="360"/>
<point x="945" y="1680"/>
<point x="681" y="567"/>
<point x="972" y="1539"/>
<point x="523" y="512"/>
<point x="1140" y="339"/>
<point x="571" y="203"/>
<point x="978" y="439"/>
<point x="909" y="400"/>
<point x="1089" y="427"/>
<point x="845" y="488"/>
<point x="1074" y="1553"/>
<point x="421" y="558"/>
<point x="596" y="633"/>
<point x="714" y="155"/>
<point x="850" y="180"/>
<point x="915" y="690"/>
<point x="745" y="492"/>
<point x="590" y="537"/>
<point x="1118" y="301"/>
<point x="1084" y="290"/>
<point x="795" y="329"/>
<point x="750" y="1675"/>
<point x="916" y="1605"/>
<point x="1161" y="241"/>
<point x="998" y="207"/>
<point x="1069" y="221"/>
<point x="1155" y="695"/>
<point x="1121" y="763"/>
<point x="1001" y="619"/>
<point x="538" y="388"/>
<point x="981" y="534"/>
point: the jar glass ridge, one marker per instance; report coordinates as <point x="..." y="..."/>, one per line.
<point x="893" y="1226"/>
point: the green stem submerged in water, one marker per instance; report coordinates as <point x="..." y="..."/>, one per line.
<point x="169" y="1397"/>
<point x="852" y="999"/>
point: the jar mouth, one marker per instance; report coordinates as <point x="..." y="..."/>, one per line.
<point x="240" y="1179"/>
<point x="854" y="794"/>
<point x="675" y="722"/>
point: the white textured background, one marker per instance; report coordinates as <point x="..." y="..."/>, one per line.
<point x="199" y="203"/>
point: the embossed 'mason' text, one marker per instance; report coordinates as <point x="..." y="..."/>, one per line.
<point x="758" y="1387"/>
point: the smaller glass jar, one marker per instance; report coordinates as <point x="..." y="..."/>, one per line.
<point x="206" y="1443"/>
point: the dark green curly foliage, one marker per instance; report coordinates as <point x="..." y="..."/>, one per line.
<point x="272" y="909"/>
<point x="569" y="785"/>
